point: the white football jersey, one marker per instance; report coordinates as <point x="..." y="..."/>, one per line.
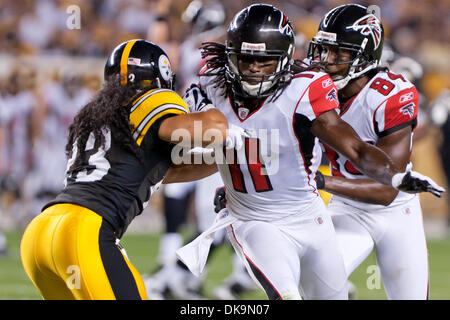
<point x="387" y="103"/>
<point x="272" y="175"/>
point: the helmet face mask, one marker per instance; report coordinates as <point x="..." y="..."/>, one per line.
<point x="140" y="62"/>
<point x="255" y="85"/>
<point x="353" y="57"/>
<point x="353" y="28"/>
<point x="317" y="51"/>
<point x="259" y="33"/>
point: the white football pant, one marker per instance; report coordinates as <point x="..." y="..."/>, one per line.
<point x="398" y="236"/>
<point x="293" y="257"/>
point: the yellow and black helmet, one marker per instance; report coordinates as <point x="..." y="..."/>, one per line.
<point x="140" y="61"/>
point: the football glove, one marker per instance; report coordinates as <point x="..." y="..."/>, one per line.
<point x="220" y="202"/>
<point x="414" y="182"/>
<point x="196" y="99"/>
<point x="235" y="135"/>
<point x="320" y="180"/>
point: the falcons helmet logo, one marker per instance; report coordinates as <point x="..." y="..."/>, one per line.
<point x="369" y="25"/>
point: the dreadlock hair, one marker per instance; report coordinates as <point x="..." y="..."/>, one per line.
<point x="108" y="109"/>
<point x="216" y="67"/>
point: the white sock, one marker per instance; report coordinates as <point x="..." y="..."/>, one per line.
<point x="168" y="245"/>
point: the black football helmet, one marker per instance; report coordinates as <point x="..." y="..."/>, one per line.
<point x="354" y="28"/>
<point x="142" y="62"/>
<point x="259" y="31"/>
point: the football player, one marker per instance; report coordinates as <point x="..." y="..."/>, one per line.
<point x="119" y="152"/>
<point x="275" y="218"/>
<point x="171" y="279"/>
<point x="381" y="106"/>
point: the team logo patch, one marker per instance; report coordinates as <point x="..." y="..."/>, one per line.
<point x="408" y="109"/>
<point x="369" y="25"/>
<point x="246" y="46"/>
<point x="243" y="113"/>
<point x="326" y="83"/>
<point x="406" y="97"/>
<point x="332" y="95"/>
<point x="327" y="36"/>
<point x="407" y="211"/>
<point x="165" y="69"/>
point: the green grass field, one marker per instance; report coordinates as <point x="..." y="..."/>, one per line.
<point x="142" y="250"/>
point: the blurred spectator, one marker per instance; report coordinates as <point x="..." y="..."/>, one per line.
<point x="33" y="24"/>
<point x="440" y="116"/>
<point x="36" y="27"/>
<point x="419" y="30"/>
<point x="60" y="101"/>
<point x="17" y="100"/>
<point x="206" y="22"/>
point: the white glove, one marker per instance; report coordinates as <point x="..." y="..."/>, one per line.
<point x="196" y="99"/>
<point x="235" y="137"/>
<point x="414" y="182"/>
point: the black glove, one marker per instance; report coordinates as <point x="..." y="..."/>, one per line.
<point x="220" y="202"/>
<point x="414" y="182"/>
<point x="196" y="99"/>
<point x="320" y="180"/>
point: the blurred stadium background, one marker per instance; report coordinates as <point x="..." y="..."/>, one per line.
<point x="50" y="67"/>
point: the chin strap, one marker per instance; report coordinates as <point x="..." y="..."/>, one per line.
<point x="341" y="83"/>
<point x="352" y="74"/>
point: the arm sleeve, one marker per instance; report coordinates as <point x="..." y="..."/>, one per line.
<point x="397" y="112"/>
<point x="154" y="105"/>
<point x="320" y="97"/>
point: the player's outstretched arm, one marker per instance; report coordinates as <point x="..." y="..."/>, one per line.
<point x="397" y="147"/>
<point x="371" y="160"/>
<point x="189" y="172"/>
<point x="200" y="128"/>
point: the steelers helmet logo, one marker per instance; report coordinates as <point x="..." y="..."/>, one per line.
<point x="165" y="69"/>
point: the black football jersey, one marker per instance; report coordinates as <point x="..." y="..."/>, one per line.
<point x="111" y="180"/>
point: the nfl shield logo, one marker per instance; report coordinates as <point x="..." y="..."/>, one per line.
<point x="319" y="220"/>
<point x="243" y="113"/>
